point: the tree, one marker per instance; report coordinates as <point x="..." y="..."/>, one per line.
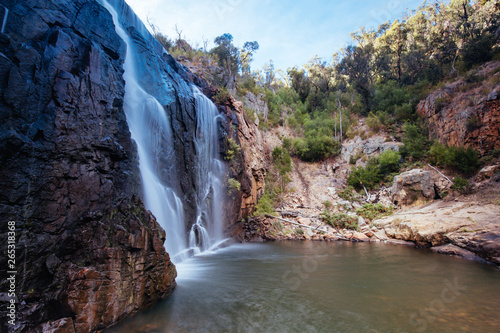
<point x="300" y="82"/>
<point x="357" y="66"/>
<point x="247" y="52"/>
<point x="228" y="57"/>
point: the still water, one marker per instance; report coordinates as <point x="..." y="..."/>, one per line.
<point x="326" y="287"/>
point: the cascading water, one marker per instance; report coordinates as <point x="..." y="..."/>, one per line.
<point x="207" y="230"/>
<point x="151" y="129"/>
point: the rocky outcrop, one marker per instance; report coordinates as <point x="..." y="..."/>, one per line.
<point x="465" y="112"/>
<point x="249" y="165"/>
<point x="470" y="226"/>
<point x="353" y="150"/>
<point x="87" y="252"/>
<point x="418" y="186"/>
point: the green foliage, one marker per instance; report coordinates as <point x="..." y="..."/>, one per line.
<point x="377" y="170"/>
<point x="478" y="51"/>
<point x="369" y="176"/>
<point x="461" y="185"/>
<point x="349" y="194"/>
<point x="233" y="186"/>
<point x="388" y="162"/>
<point x="265" y="206"/>
<point x="373" y="122"/>
<point x="340" y="220"/>
<point x="222" y="96"/>
<point x="299" y="232"/>
<point x="465" y="160"/>
<point x="250" y="114"/>
<point x="461" y="159"/>
<point x="440" y="155"/>
<point x="316" y="148"/>
<point x="416" y="144"/>
<point x="232" y="149"/>
<point x="374" y="211"/>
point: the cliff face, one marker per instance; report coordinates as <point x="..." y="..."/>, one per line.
<point x="87" y="251"/>
<point x="466" y="112"/>
<point x="249" y="165"/>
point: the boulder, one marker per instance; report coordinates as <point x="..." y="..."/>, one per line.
<point x="487" y="172"/>
<point x="414" y="186"/>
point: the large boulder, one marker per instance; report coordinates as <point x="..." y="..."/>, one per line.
<point x="413" y="187"/>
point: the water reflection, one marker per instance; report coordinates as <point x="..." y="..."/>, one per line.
<point x="326" y="287"/>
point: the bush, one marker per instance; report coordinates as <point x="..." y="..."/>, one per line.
<point x="373" y="122"/>
<point x="461" y="185"/>
<point x="388" y="162"/>
<point x="340" y="220"/>
<point x="416" y="144"/>
<point x="440" y="155"/>
<point x="349" y="194"/>
<point x="233" y="186"/>
<point x="265" y="206"/>
<point x="461" y="159"/>
<point x="465" y="160"/>
<point x="376" y="171"/>
<point x="374" y="211"/>
<point x="478" y="52"/>
<point x="232" y="148"/>
<point x="315" y="148"/>
<point x="221" y="96"/>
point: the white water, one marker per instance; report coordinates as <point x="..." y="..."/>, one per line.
<point x="151" y="130"/>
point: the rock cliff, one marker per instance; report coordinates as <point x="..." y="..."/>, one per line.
<point x="87" y="251"/>
<point x="466" y="112"/>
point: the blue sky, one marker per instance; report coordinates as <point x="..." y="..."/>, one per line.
<point x="289" y="32"/>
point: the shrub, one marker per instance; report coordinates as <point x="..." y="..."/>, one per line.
<point x="440" y="155"/>
<point x="416" y="144"/>
<point x="232" y="148"/>
<point x="233" y="186"/>
<point x="264" y="206"/>
<point x="465" y="160"/>
<point x="376" y="170"/>
<point x="250" y="114"/>
<point x="374" y="211"/>
<point x="340" y="220"/>
<point x="221" y="96"/>
<point x="373" y="122"/>
<point x="461" y="185"/>
<point x="349" y="194"/>
<point x="315" y="148"/>
<point x="388" y="162"/>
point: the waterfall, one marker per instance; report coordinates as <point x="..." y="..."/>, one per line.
<point x="150" y="128"/>
<point x="209" y="176"/>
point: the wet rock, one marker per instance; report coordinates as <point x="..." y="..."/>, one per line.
<point x="454" y="250"/>
<point x="69" y="175"/>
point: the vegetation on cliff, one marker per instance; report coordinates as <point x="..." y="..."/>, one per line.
<point x="381" y="77"/>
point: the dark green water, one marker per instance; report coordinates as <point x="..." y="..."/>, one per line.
<point x="326" y="287"/>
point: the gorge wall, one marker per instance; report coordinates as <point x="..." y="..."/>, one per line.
<point x="466" y="112"/>
<point x="88" y="252"/>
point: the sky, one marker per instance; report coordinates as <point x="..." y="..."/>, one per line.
<point x="288" y="32"/>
